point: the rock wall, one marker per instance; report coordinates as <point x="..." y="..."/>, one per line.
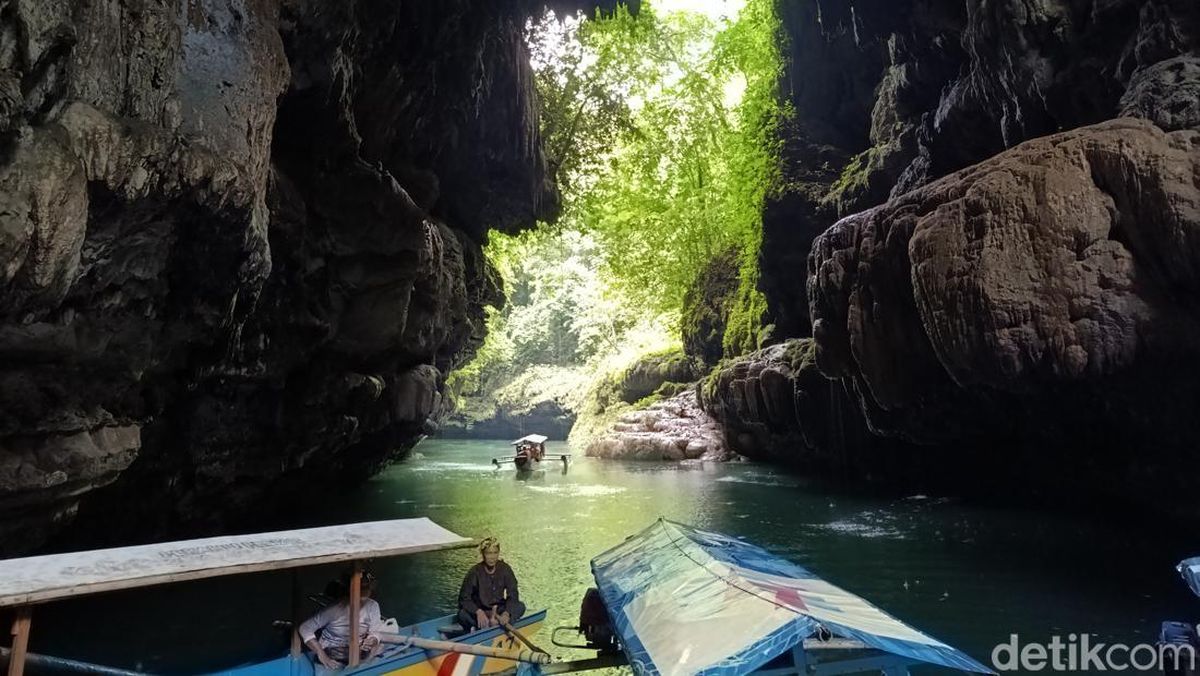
<point x="1029" y="315"/>
<point x="707" y="304"/>
<point x="889" y="95"/>
<point x="240" y="246"/>
<point x="1046" y="296"/>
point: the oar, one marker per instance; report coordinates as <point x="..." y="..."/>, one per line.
<point x="513" y="632"/>
<point x="468" y="648"/>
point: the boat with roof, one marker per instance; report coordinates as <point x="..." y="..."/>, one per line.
<point x="529" y="452"/>
<point x="675" y="600"/>
<point x="671" y="600"/>
<point x="437" y="646"/>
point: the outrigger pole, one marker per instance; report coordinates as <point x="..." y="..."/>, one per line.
<point x="468" y="648"/>
<point x="63" y="665"/>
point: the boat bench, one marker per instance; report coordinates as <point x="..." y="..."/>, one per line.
<point x="453" y="630"/>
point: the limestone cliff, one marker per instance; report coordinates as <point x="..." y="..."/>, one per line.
<point x="240" y="245"/>
<point x="1018" y="312"/>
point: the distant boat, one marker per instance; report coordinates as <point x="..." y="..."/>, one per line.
<point x="530" y="451"/>
<point x="435" y="646"/>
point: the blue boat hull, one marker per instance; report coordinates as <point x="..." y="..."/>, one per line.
<point x="399" y="661"/>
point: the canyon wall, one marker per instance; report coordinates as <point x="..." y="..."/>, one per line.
<point x="987" y="224"/>
<point x="240" y="247"/>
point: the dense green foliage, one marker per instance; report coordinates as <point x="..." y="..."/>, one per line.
<point x="663" y="131"/>
<point x="660" y="129"/>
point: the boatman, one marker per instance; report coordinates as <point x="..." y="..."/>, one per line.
<point x="489" y="596"/>
<point x="333" y="622"/>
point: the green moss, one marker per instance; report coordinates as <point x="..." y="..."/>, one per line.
<point x="800" y="353"/>
<point x="706" y="307"/>
<point x="854" y="174"/>
<point x="617" y="392"/>
<point x="746" y="330"/>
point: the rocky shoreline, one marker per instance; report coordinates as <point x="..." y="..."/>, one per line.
<point x="672" y="429"/>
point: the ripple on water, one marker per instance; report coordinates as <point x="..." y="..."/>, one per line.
<point x="758" y="480"/>
<point x="863" y="530"/>
<point x="452" y="467"/>
<point x="579" y="490"/>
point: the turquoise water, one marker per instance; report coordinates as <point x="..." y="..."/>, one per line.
<point x="967" y="575"/>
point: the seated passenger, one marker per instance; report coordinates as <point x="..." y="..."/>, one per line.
<point x="333" y="623"/>
<point x="489" y="596"/>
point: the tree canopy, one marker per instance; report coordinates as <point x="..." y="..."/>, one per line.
<point x="659" y="128"/>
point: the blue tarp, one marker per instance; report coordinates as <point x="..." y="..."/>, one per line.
<point x="685" y="601"/>
<point x="1190" y="570"/>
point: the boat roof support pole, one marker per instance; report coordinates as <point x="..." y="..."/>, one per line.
<point x="20" y="640"/>
<point x="355" y="602"/>
<point x="296" y="619"/>
<point x="800" y="658"/>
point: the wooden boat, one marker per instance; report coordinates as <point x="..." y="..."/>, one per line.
<point x="429" y="648"/>
<point x="530" y="451"/>
<point x="401" y="660"/>
<point x="676" y="600"/>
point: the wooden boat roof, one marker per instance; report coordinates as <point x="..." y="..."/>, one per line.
<point x="37" y="579"/>
<point x="532" y="438"/>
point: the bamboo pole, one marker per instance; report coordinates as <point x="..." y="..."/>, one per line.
<point x="468" y="648"/>
<point x="355" y="611"/>
<point x="20" y="641"/>
<point x="296" y="619"/>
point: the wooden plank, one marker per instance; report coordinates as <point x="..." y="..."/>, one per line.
<point x="37" y="579"/>
<point x="355" y="611"/>
<point x="20" y="641"/>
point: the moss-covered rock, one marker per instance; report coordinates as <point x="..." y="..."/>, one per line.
<point x="648" y="380"/>
<point x="706" y="307"/>
<point x="776" y="405"/>
<point x="672" y="429"/>
<point x="649" y="373"/>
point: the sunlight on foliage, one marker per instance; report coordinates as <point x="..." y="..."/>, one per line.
<point x="660" y="131"/>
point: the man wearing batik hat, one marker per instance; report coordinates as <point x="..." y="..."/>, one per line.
<point x="489" y="596"/>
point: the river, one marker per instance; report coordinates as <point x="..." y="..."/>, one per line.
<point x="968" y="575"/>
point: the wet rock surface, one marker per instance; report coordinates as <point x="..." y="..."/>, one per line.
<point x="1052" y="268"/>
<point x="240" y="247"/>
<point x="888" y="96"/>
<point x="1024" y="314"/>
<point x="672" y="429"/>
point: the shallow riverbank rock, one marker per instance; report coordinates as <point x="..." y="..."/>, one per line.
<point x="673" y="429"/>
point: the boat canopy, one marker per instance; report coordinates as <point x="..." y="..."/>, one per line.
<point x="531" y="438"/>
<point x="685" y="601"/>
<point x="1190" y="570"/>
<point x="44" y="578"/>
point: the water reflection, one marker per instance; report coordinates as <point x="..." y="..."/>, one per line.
<point x="967" y="576"/>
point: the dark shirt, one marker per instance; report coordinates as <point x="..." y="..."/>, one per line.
<point x="483" y="590"/>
